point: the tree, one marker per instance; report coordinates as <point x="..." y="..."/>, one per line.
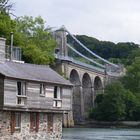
<point x="7" y="25"/>
<point x="29" y="34"/>
<point x="132" y="104"/>
<point x="133" y="55"/>
<point x="5" y="6"/>
<point x="37" y="43"/>
<point x="106" y="49"/>
<point x="111" y="108"/>
<point x="116" y="104"/>
<point x="131" y="80"/>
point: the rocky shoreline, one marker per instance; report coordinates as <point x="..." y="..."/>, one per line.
<point x="97" y="124"/>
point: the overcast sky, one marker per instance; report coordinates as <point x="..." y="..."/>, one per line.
<point x="110" y="20"/>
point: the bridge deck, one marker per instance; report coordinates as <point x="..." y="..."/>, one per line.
<point x="70" y="59"/>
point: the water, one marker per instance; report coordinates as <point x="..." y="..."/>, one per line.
<point x="100" y="134"/>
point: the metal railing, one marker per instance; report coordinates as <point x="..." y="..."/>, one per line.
<point x="67" y="58"/>
<point x="16" y="54"/>
<point x="109" y="71"/>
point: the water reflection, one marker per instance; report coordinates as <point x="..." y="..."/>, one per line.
<point x="100" y="134"/>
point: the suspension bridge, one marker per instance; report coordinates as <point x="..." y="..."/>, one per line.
<point x="89" y="74"/>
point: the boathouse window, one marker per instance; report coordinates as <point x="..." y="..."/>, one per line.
<point x="42" y="89"/>
<point x="34" y="122"/>
<point x="57" y="92"/>
<point x="21" y="93"/>
<point x="15" y="122"/>
<point x="21" y="88"/>
<point x="50" y="122"/>
<point x="57" y="97"/>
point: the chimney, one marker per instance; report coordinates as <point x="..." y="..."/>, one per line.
<point x="2" y="49"/>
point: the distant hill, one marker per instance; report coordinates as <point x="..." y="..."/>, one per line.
<point x="118" y="53"/>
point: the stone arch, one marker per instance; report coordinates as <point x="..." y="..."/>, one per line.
<point x="76" y="104"/>
<point x="98" y="86"/>
<point x="74" y="77"/>
<point x="87" y="94"/>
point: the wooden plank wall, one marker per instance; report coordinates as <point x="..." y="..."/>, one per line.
<point x="34" y="99"/>
<point x="10" y="92"/>
<point x="67" y="98"/>
<point x="1" y="91"/>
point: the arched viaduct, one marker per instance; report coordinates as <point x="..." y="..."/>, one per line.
<point x="87" y="82"/>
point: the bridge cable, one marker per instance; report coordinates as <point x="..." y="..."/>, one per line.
<point x="91" y="60"/>
<point x="81" y="44"/>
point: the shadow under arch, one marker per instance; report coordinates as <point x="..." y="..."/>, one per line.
<point x="87" y="94"/>
<point x="76" y="99"/>
<point x="98" y="86"/>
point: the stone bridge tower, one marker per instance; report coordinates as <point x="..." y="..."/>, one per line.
<point x="61" y="39"/>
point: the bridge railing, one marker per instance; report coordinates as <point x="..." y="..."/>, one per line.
<point x="67" y="58"/>
<point x="113" y="71"/>
<point x="108" y="70"/>
<point x="16" y="53"/>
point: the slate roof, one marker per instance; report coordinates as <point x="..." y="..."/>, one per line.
<point x="39" y="73"/>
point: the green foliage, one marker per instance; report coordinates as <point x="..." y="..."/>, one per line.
<point x="121" y="100"/>
<point x="116" y="104"/>
<point x="30" y="34"/>
<point x="5" y="6"/>
<point x="35" y="55"/>
<point x="131" y="108"/>
<point x="112" y="107"/>
<point x="99" y="98"/>
<point x="133" y="55"/>
<point x="131" y="80"/>
<point x="118" y="53"/>
<point x="37" y="43"/>
<point x="7" y="25"/>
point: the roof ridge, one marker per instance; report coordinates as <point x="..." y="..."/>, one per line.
<point x="29" y="64"/>
<point x="32" y="72"/>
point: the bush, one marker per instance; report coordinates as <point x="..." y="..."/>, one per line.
<point x="116" y="104"/>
